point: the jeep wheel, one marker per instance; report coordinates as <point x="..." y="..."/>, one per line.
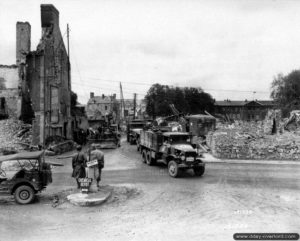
<point x="144" y="155"/>
<point x="199" y="171"/>
<point x="149" y="159"/>
<point x="24" y="194"/>
<point x="173" y="169"/>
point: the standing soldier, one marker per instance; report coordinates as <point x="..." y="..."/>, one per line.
<point x="95" y="171"/>
<point x="78" y="164"/>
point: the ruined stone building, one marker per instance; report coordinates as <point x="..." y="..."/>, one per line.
<point x="9" y="82"/>
<point x="38" y="88"/>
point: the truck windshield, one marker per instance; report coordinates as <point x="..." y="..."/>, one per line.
<point x="136" y="125"/>
<point x="179" y="139"/>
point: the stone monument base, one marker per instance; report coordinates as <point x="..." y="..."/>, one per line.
<point x="93" y="198"/>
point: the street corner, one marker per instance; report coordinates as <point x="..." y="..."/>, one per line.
<point x="109" y="194"/>
<point x="209" y="158"/>
<point x="90" y="199"/>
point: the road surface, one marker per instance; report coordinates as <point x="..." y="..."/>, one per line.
<point x="147" y="204"/>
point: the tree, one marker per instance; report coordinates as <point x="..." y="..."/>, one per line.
<point x="157" y="101"/>
<point x="198" y="100"/>
<point x="285" y="91"/>
<point x="186" y="100"/>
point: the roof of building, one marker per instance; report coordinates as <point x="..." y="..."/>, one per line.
<point x="100" y="100"/>
<point x="242" y="103"/>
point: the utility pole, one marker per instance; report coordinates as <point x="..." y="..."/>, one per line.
<point x="68" y="32"/>
<point x="122" y="102"/>
<point x="134" y="105"/>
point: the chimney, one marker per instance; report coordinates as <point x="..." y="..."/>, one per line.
<point x="49" y="15"/>
<point x="23" y="41"/>
<point x="103" y="96"/>
<point x="92" y="95"/>
<point x="114" y="96"/>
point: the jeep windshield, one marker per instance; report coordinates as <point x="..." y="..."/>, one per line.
<point x="11" y="167"/>
<point x="17" y="165"/>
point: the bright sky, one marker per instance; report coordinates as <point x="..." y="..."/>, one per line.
<point x="230" y="48"/>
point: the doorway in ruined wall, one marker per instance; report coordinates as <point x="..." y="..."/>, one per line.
<point x="3" y="110"/>
<point x="65" y="129"/>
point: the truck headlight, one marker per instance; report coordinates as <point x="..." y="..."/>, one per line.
<point x="182" y="157"/>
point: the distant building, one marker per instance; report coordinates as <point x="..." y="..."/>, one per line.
<point x="80" y="120"/>
<point x="140" y="109"/>
<point x="244" y="110"/>
<point x="100" y="107"/>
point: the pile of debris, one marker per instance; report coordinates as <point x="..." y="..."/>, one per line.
<point x="293" y="122"/>
<point x="57" y="145"/>
<point x="254" y="140"/>
<point x="15" y="136"/>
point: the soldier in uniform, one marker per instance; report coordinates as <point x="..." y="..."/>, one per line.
<point x="95" y="171"/>
<point x="78" y="164"/>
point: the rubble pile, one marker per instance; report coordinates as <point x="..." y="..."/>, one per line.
<point x="247" y="140"/>
<point x="58" y="145"/>
<point x="293" y="122"/>
<point x="15" y="136"/>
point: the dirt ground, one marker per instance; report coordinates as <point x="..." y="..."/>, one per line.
<point x="147" y="204"/>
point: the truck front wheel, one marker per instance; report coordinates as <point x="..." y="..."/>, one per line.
<point x="149" y="159"/>
<point x="24" y="194"/>
<point x="199" y="171"/>
<point x="173" y="169"/>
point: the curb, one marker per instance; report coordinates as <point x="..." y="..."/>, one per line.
<point x="91" y="199"/>
<point x="271" y="162"/>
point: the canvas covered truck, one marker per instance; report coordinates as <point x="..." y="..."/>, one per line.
<point x="171" y="148"/>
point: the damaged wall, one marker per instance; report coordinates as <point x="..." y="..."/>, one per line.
<point x="48" y="79"/>
<point x="10" y="102"/>
<point x="9" y="80"/>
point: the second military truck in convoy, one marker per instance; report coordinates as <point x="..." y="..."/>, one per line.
<point x="173" y="149"/>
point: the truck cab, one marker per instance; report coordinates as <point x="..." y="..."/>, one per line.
<point x="173" y="149"/>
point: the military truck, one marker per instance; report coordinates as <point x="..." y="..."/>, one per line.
<point x="133" y="129"/>
<point x="174" y="149"/>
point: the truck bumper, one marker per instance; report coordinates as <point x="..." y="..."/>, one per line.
<point x="183" y="165"/>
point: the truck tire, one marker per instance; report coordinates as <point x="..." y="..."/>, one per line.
<point x="173" y="169"/>
<point x="149" y="159"/>
<point x="199" y="171"/>
<point x="24" y="194"/>
<point x="138" y="146"/>
<point x="131" y="140"/>
<point x="144" y="155"/>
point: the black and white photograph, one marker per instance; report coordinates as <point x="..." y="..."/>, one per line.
<point x="149" y="120"/>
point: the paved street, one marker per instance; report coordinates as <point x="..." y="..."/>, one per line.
<point x="150" y="205"/>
